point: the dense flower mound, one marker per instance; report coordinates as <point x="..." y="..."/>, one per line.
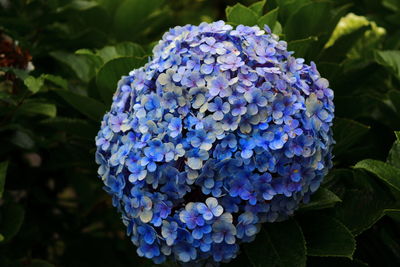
<point x="222" y="130"/>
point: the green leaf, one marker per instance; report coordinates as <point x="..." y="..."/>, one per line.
<point x="131" y="16"/>
<point x="34" y="107"/>
<point x="125" y="49"/>
<point x="33" y="84"/>
<point x="300" y="47"/>
<point x="40" y="263"/>
<point x="322" y="199"/>
<point x="22" y="140"/>
<point x="261" y="252"/>
<point x="258" y="7"/>
<point x="90" y="107"/>
<point x="280" y="244"/>
<point x="394" y="97"/>
<point x="347" y="133"/>
<point x="21" y="74"/>
<point x="394" y="153"/>
<point x="269" y="19"/>
<point x="3" y="172"/>
<point x="384" y="171"/>
<point x="83" y="65"/>
<point x="288" y="241"/>
<point x="109" y="75"/>
<point x="78" y="5"/>
<point x="338" y="51"/>
<point x="364" y="200"/>
<point x="239" y="14"/>
<point x="326" y="236"/>
<point x="389" y="59"/>
<point x="57" y="80"/>
<point x="313" y="18"/>
<point x="12" y="216"/>
<point x="76" y="127"/>
<point x="394" y="214"/>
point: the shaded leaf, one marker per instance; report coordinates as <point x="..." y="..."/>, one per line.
<point x="280" y="244"/>
<point x="3" y="172"/>
<point x="34" y="107"/>
<point x="12" y="216"/>
<point x="323" y="198"/>
<point x="389" y="59"/>
<point x="261" y="252"/>
<point x="394" y="153"/>
<point x="131" y="15"/>
<point x="239" y="14"/>
<point x="326" y="236"/>
<point x="364" y="200"/>
<point x="40" y="263"/>
<point x="83" y="65"/>
<point x="77" y="127"/>
<point x="84" y="104"/>
<point x="109" y="75"/>
<point x="57" y="80"/>
<point x="384" y="171"/>
<point x="394" y="214"/>
<point x="22" y="140"/>
<point x="347" y="133"/>
<point x="300" y="47"/>
<point x="338" y="51"/>
<point x="313" y="18"/>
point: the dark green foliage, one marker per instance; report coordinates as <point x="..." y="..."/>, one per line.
<point x="52" y="208"/>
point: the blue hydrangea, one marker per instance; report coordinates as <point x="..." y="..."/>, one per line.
<point x="221" y="131"/>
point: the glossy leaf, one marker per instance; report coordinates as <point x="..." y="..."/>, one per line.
<point x="386" y="172"/>
<point x="323" y="198"/>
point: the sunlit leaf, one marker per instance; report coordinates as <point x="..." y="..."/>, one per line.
<point x="239" y="14"/>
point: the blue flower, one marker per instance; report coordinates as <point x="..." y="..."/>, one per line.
<point x="119" y="123"/>
<point x="210" y="209"/>
<point x="219" y="108"/>
<point x="221" y="131"/>
<point x="191" y="216"/>
<point x="224" y="230"/>
<point x="219" y="86"/>
<point x="169" y="232"/>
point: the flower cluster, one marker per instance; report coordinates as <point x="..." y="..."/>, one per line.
<point x="222" y="130"/>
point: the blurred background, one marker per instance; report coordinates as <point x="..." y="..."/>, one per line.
<point x="60" y="61"/>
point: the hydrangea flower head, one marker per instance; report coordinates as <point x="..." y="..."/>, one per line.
<point x="221" y="131"/>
